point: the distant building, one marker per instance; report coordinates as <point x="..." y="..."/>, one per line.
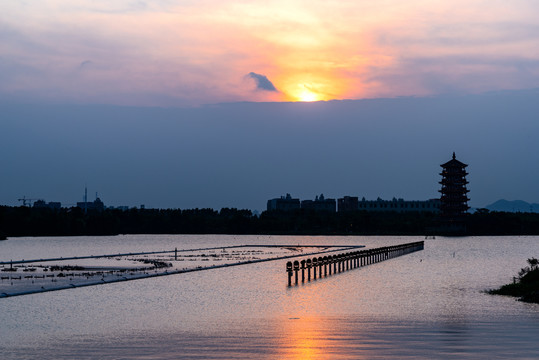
<point x="285" y="203"/>
<point x="44" y="205"/>
<point x="348" y="203"/>
<point x="320" y="204"/>
<point x="96" y="205"/>
<point x="454" y="198"/>
<point x="400" y="205"/>
<point x="352" y="203"/>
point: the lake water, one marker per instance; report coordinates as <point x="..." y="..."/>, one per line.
<point x="424" y="305"/>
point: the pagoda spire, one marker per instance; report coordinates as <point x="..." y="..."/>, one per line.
<point x="454" y="193"/>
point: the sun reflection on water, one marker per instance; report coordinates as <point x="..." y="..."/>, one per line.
<point x="320" y="337"/>
<point x="303" y="339"/>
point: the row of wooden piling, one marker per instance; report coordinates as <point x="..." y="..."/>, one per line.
<point x="342" y="262"/>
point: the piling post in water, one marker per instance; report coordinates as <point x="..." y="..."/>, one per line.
<point x="289" y="271"/>
<point x="296" y="270"/>
<point x="346" y="261"/>
<point x="325" y="259"/>
<point x="176" y="254"/>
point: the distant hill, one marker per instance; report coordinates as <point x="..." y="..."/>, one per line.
<point x="513" y="206"/>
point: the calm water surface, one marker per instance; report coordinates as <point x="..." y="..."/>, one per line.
<point x="424" y="305"/>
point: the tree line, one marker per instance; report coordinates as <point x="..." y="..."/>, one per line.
<point x="26" y="221"/>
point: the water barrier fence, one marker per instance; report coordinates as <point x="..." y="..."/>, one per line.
<point x="346" y="261"/>
<point x="32" y="284"/>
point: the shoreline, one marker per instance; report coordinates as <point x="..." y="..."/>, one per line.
<point x="526" y="289"/>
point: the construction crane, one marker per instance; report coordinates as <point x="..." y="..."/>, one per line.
<point x="24" y="200"/>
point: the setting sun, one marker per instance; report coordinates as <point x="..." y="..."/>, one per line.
<point x="307" y="96"/>
<point x="306" y="92"/>
<point x="322" y="86"/>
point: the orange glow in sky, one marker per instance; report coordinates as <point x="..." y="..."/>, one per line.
<point x="176" y="53"/>
<point x="298" y="91"/>
<point x="308" y="95"/>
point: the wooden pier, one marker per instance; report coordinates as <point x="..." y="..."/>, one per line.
<point x="324" y="265"/>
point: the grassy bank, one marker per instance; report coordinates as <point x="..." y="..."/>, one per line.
<point x="526" y="287"/>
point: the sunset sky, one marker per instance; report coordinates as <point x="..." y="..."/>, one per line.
<point x="187" y="53"/>
<point x="187" y="104"/>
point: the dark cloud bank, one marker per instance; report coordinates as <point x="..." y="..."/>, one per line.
<point x="241" y="154"/>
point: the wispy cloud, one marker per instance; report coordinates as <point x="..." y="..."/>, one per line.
<point x="85" y="64"/>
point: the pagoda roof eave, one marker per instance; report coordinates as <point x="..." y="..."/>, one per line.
<point x="454" y="163"/>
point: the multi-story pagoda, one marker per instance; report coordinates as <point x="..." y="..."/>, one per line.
<point x="454" y="199"/>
